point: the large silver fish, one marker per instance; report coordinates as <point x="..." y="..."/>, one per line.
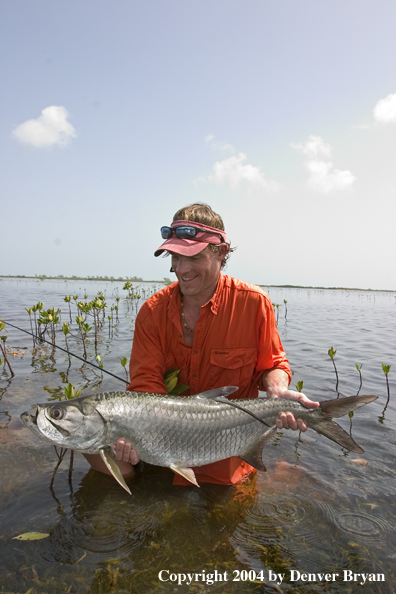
<point x="180" y="432"/>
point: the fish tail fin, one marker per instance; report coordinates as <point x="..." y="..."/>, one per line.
<point x="338" y="407"/>
<point x="333" y="431"/>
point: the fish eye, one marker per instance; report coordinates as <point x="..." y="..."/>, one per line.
<point x="57" y="413"/>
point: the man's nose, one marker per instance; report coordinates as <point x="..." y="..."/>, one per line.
<point x="182" y="266"/>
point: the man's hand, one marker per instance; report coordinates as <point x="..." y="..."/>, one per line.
<point x="276" y="382"/>
<point x="287" y="420"/>
<point x="125" y="452"/>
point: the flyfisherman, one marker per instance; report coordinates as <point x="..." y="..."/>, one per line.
<point x="219" y="331"/>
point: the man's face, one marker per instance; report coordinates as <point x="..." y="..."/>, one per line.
<point x="198" y="275"/>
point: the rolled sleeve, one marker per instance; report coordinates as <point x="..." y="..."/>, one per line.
<point x="147" y="363"/>
<point x="271" y="354"/>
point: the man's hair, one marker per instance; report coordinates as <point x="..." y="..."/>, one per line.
<point x="202" y="213"/>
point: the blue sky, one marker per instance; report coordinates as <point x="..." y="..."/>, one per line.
<point x="280" y="115"/>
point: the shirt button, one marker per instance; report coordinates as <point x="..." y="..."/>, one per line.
<point x="194" y="375"/>
<point x="195" y="352"/>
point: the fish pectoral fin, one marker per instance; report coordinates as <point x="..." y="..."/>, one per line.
<point x="107" y="457"/>
<point x="254" y="456"/>
<point x="187" y="473"/>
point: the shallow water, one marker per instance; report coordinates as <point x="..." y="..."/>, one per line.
<point x="317" y="510"/>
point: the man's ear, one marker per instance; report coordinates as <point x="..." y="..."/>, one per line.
<point x="222" y="251"/>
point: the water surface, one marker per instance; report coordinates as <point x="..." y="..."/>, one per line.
<point x="318" y="509"/>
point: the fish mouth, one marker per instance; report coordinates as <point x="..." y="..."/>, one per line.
<point x="29" y="419"/>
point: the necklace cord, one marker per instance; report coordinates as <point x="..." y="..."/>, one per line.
<point x="184" y="319"/>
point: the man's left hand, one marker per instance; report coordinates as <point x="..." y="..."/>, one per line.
<point x="287" y="420"/>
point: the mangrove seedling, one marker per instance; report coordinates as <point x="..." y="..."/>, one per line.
<point x="359" y="368"/>
<point x="67" y="299"/>
<point x="276" y="308"/>
<point x="100" y="362"/>
<point x="124" y="361"/>
<point x="332" y="353"/>
<point x="49" y="317"/>
<point x="84" y="329"/>
<point x="386" y="369"/>
<point x="285" y="302"/>
<point x="299" y="386"/>
<point x="66" y="331"/>
<point x="70" y="392"/>
<point x="4" y="348"/>
<point x="38" y="307"/>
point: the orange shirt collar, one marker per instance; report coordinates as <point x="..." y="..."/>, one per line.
<point x="175" y="300"/>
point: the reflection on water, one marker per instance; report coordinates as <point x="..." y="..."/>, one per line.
<point x="317" y="509"/>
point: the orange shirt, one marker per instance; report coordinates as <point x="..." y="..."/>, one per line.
<point x="235" y="340"/>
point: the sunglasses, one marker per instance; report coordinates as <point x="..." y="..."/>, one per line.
<point x="185" y="232"/>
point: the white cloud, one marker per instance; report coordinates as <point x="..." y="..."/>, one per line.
<point x="385" y="109"/>
<point x="314" y="147"/>
<point x="224" y="147"/>
<point x="235" y="171"/>
<point x="50" y="128"/>
<point x="322" y="175"/>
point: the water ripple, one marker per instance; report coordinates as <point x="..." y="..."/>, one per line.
<point x="362" y="524"/>
<point x="119" y="530"/>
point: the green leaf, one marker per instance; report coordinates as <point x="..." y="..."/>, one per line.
<point x="171" y="383"/>
<point x="386" y="368"/>
<point x="179" y="389"/>
<point x="299" y="386"/>
<point x="331" y="352"/>
<point x="168" y="373"/>
<point x="31" y="536"/>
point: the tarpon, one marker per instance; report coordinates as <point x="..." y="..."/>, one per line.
<point x="181" y="432"/>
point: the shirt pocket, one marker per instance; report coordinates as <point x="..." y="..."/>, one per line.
<point x="233" y="366"/>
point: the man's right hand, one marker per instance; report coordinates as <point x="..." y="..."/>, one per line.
<point x="125" y="452"/>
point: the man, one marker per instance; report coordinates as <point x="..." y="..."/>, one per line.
<point x="216" y="329"/>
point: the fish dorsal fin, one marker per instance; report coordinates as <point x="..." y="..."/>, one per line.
<point x="254" y="455"/>
<point x="187" y="473"/>
<point x="221" y="395"/>
<point x="218" y="393"/>
<point x="107" y="457"/>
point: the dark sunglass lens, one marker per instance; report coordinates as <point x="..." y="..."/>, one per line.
<point x="185" y="232"/>
<point x="166" y="232"/>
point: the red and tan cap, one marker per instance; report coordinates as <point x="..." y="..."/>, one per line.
<point x="194" y="245"/>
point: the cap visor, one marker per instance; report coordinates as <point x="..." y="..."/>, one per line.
<point x="183" y="247"/>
